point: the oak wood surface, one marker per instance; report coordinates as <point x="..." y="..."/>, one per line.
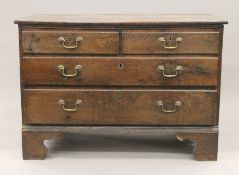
<point x="46" y="42"/>
<point x="128" y="19"/>
<point x="147" y="42"/>
<point x="122" y="71"/>
<point x="114" y="107"/>
<point x="118" y="83"/>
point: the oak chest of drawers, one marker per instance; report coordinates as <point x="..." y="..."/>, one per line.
<point x="120" y="73"/>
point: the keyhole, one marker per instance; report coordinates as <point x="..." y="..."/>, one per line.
<point x="170" y="38"/>
<point x="121" y="65"/>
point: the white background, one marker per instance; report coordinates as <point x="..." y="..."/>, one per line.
<point x="108" y="155"/>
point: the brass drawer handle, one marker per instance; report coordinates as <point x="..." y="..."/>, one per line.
<point x="77" y="104"/>
<point x="178" y="70"/>
<point x="164" y="42"/>
<point x="61" y="68"/>
<point x="176" y="105"/>
<point x="78" y="39"/>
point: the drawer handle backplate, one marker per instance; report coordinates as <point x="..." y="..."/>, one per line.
<point x="77" y="104"/>
<point x="178" y="70"/>
<point x="78" y="39"/>
<point x="165" y="45"/>
<point x="61" y="68"/>
<point x="176" y="105"/>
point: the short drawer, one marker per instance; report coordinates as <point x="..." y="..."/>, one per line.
<point x="119" y="107"/>
<point x="125" y="71"/>
<point x="170" y="42"/>
<point x="70" y="42"/>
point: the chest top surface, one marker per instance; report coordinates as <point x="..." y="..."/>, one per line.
<point x="136" y="19"/>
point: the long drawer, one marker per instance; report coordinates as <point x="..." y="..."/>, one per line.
<point x="70" y="42"/>
<point x="127" y="71"/>
<point x="119" y="107"/>
<point x="170" y="41"/>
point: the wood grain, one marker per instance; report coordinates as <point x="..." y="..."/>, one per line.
<point x="127" y="19"/>
<point x="122" y="71"/>
<point x="119" y="107"/>
<point x="119" y="84"/>
<point x="46" y="42"/>
<point x="146" y="42"/>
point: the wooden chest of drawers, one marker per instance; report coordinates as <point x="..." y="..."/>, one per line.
<point x="120" y="73"/>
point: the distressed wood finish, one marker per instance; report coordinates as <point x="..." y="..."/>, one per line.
<point x="122" y="71"/>
<point x="46" y="42"/>
<point x="118" y="85"/>
<point x="114" y="107"/>
<point x="147" y="42"/>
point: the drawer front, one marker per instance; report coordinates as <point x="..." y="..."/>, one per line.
<point x="119" y="107"/>
<point x="173" y="42"/>
<point x="70" y="42"/>
<point x="140" y="71"/>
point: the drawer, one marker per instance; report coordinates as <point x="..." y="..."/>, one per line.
<point x="119" y="107"/>
<point x="140" y="71"/>
<point x="70" y="42"/>
<point x="170" y="42"/>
